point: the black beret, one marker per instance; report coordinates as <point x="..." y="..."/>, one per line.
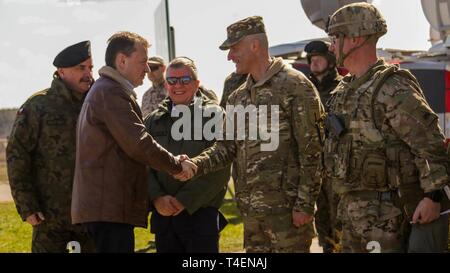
<point x="73" y="55"/>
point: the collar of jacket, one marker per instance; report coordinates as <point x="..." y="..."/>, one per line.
<point x="331" y="76"/>
<point x="165" y="107"/>
<point x="355" y="83"/>
<point x="61" y="89"/>
<point x="275" y="67"/>
<point x="116" y="76"/>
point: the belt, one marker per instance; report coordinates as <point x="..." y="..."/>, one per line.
<point x="378" y="195"/>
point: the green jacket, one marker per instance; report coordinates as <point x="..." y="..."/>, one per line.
<point x="41" y="153"/>
<point x="204" y="191"/>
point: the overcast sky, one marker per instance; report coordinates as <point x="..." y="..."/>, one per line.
<point x="34" y="31"/>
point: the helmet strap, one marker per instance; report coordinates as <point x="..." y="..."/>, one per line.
<point x="342" y="56"/>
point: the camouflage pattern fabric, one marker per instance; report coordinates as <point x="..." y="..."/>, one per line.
<point x="41" y="157"/>
<point x="276" y="234"/>
<point x="232" y="82"/>
<point x="391" y="143"/>
<point x="356" y="20"/>
<point x="274" y="182"/>
<point x="365" y="221"/>
<point x="151" y="98"/>
<point x="53" y="238"/>
<point x="237" y="31"/>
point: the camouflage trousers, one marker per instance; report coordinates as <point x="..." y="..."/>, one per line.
<point x="276" y="234"/>
<point x="371" y="225"/>
<point x="53" y="238"/>
<point x="325" y="220"/>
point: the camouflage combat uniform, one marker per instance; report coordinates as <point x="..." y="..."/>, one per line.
<point x="325" y="220"/>
<point x="41" y="162"/>
<point x="384" y="149"/>
<point x="391" y="151"/>
<point x="152" y="97"/>
<point x="271" y="184"/>
<point x="232" y="82"/>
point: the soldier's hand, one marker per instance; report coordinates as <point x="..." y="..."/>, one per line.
<point x="300" y="218"/>
<point x="164" y="206"/>
<point x="177" y="205"/>
<point x="35" y="219"/>
<point x="426" y="212"/>
<point x="189" y="170"/>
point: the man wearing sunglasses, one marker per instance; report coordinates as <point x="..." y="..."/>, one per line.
<point x="276" y="190"/>
<point x="185" y="217"/>
<point x="157" y="92"/>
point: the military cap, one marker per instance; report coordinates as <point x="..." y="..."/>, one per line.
<point x="240" y="29"/>
<point x="156" y="60"/>
<point x="73" y="55"/>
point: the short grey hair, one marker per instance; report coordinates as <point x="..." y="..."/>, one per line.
<point x="183" y="61"/>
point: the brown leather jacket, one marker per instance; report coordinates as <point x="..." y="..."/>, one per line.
<point x="113" y="150"/>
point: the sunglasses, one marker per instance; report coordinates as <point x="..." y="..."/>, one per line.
<point x="181" y="80"/>
<point x="153" y="68"/>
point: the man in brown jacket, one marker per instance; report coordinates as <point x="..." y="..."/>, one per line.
<point x="110" y="195"/>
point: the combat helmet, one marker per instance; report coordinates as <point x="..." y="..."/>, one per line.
<point x="355" y="20"/>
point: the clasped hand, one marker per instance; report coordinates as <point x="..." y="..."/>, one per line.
<point x="189" y="168"/>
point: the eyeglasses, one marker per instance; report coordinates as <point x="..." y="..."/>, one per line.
<point x="153" y="68"/>
<point x="184" y="80"/>
<point x="334" y="38"/>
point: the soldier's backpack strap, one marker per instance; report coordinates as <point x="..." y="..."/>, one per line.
<point x="385" y="74"/>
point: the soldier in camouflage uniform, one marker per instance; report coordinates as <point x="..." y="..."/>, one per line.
<point x="325" y="77"/>
<point x="232" y="82"/>
<point x="384" y="149"/>
<point x="41" y="153"/>
<point x="276" y="190"/>
<point x="157" y="92"/>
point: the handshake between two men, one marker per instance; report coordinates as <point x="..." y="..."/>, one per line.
<point x="168" y="205"/>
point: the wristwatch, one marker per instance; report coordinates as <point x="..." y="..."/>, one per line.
<point x="436" y="195"/>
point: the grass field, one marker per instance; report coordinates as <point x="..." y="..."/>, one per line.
<point x="15" y="235"/>
<point x="3" y="176"/>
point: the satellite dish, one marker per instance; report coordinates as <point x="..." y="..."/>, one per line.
<point x="318" y="11"/>
<point x="437" y="13"/>
<point x="435" y="36"/>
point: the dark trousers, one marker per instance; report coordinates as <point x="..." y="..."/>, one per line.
<point x="184" y="233"/>
<point x="112" y="237"/>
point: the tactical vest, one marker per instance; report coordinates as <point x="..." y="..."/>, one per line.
<point x="362" y="158"/>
